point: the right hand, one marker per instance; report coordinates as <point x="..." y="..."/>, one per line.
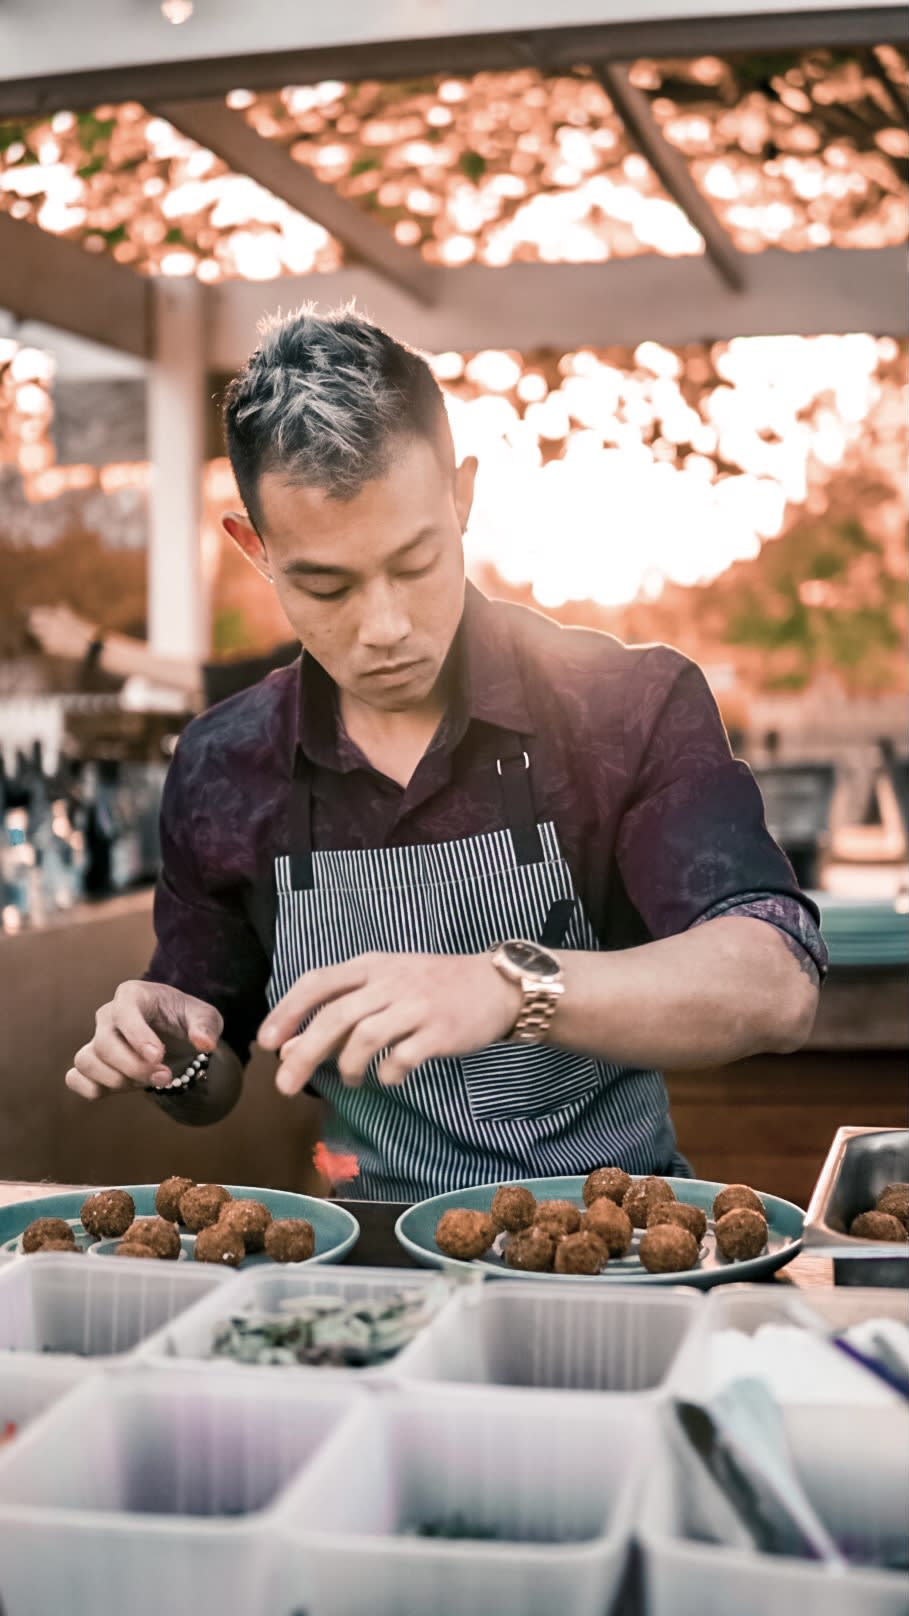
<point x="145" y="1025"/>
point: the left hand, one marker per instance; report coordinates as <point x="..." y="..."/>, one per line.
<point x="415" y="1005"/>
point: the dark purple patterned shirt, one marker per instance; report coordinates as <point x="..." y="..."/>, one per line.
<point x="661" y="827"/>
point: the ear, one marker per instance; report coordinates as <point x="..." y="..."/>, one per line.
<point x="465" y="476"/>
<point x="238" y="526"/>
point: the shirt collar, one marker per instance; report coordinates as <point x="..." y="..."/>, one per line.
<point x="488" y="687"/>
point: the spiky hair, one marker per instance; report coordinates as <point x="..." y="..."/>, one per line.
<point x="327" y="400"/>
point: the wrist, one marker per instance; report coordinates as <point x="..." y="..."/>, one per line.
<point x="537" y="974"/>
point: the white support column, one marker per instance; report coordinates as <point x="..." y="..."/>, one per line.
<point x="178" y="608"/>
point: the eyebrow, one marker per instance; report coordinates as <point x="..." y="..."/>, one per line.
<point x="318" y="569"/>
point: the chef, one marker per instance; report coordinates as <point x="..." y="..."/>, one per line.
<point x="475" y="877"/>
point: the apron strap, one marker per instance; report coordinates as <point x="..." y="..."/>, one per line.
<point x="513" y="768"/>
<point x="300" y="837"/>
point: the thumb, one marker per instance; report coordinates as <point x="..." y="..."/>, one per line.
<point x="204" y="1024"/>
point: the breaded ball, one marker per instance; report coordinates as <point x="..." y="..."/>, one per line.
<point x="609" y="1182"/>
<point x="38" y="1234"/>
<point x="170" y="1193"/>
<point x="463" y="1234"/>
<point x="878" y="1226"/>
<point x="108" y="1213"/>
<point x="741" y="1233"/>
<point x="162" y="1237"/>
<point x="682" y="1215"/>
<point x="249" y="1219"/>
<point x="736" y="1195"/>
<point x="668" y="1249"/>
<point x="289" y="1240"/>
<point x="558" y="1217"/>
<point x="643" y="1196"/>
<point x="215" y="1244"/>
<point x="610" y="1224"/>
<point x="580" y="1253"/>
<point x="513" y="1207"/>
<point x="61" y="1245"/>
<point x="894" y="1199"/>
<point x="135" y="1248"/>
<point x="532" y="1250"/>
<point x="201" y="1206"/>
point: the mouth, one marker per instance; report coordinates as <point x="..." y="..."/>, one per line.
<point x="392" y="671"/>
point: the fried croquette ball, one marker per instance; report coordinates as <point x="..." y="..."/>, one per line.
<point x="216" y="1244"/>
<point x="39" y="1234"/>
<point x="201" y="1206"/>
<point x="741" y="1233"/>
<point x="682" y="1215"/>
<point x="736" y="1195"/>
<point x="878" y="1226"/>
<point x="581" y="1253"/>
<point x="532" y="1250"/>
<point x="558" y="1218"/>
<point x="249" y="1219"/>
<point x="668" y="1249"/>
<point x="610" y="1183"/>
<point x="135" y="1248"/>
<point x="643" y="1196"/>
<point x="895" y="1201"/>
<point x="290" y="1240"/>
<point x="61" y="1245"/>
<point x="170" y="1193"/>
<point x="162" y="1237"/>
<point x="513" y="1207"/>
<point x="465" y="1234"/>
<point x="610" y="1224"/>
<point x="108" y="1213"/>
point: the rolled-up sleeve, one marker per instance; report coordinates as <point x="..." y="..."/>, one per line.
<point x="206" y="943"/>
<point x="693" y="844"/>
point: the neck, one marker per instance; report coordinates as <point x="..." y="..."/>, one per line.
<point x="394" y="742"/>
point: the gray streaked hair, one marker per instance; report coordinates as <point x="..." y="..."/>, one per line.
<point x="326" y="401"/>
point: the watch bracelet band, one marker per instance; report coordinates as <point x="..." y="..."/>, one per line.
<point x="191" y="1076"/>
<point x="537" y="1012"/>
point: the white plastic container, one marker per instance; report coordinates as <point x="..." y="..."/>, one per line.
<point x="188" y="1339"/>
<point x="797" y="1369"/>
<point x="29" y="1385"/>
<point x="552" y="1480"/>
<point x="142" y="1493"/>
<point x="560" y="1338"/>
<point x="853" y="1465"/>
<point x="92" y="1310"/>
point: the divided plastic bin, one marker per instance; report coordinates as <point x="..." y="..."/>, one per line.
<point x="92" y="1310"/>
<point x="559" y="1338"/>
<point x="28" y="1386"/>
<point x="852" y="1463"/>
<point x="424" y="1503"/>
<point x="187" y="1340"/>
<point x="144" y="1492"/>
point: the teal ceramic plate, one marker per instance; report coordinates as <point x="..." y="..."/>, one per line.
<point x="335" y="1229"/>
<point x="415" y="1230"/>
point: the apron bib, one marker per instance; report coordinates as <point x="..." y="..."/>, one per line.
<point x="509" y="1110"/>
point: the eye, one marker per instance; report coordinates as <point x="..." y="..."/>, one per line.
<point x="330" y="594"/>
<point x="418" y="572"/>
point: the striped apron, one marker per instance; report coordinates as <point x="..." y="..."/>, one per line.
<point x="504" y="1112"/>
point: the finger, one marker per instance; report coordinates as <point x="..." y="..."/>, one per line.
<point x="111" y="1047"/>
<point x="90" y="1064"/>
<point x="405" y="1057"/>
<point x="130" y="1023"/>
<point x="204" y="1024"/>
<point x="308" y="993"/>
<point x="374" y="1034"/>
<point x="328" y="1032"/>
<point x="83" y="1086"/>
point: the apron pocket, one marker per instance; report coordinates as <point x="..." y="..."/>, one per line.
<point x="525" y="1080"/>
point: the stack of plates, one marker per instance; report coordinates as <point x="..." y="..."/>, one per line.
<point x="862" y="931"/>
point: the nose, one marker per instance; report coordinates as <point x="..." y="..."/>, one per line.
<point x="385" y="623"/>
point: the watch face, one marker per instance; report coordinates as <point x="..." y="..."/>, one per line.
<point x="531" y="959"/>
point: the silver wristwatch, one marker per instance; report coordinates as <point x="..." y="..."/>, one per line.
<point x="540" y="977"/>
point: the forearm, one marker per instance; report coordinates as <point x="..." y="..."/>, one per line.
<point x="126" y="657"/>
<point x="726" y="989"/>
<point x="210" y="1101"/>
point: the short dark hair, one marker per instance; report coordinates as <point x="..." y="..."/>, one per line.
<point x="326" y="400"/>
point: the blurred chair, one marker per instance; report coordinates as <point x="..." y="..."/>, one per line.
<point x="797" y="800"/>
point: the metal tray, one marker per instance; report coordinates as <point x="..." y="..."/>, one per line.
<point x="860" y="1162"/>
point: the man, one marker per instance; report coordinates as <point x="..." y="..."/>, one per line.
<point x="486" y="875"/>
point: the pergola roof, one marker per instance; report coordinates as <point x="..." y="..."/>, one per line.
<point x="693" y="196"/>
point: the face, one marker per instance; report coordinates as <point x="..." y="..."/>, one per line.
<point x="373" y="587"/>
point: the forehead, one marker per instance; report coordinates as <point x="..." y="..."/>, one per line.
<point x="414" y="492"/>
